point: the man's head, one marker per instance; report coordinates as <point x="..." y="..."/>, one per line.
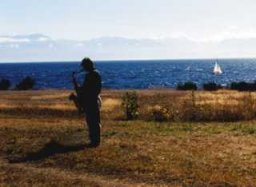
<point x="87" y="64"/>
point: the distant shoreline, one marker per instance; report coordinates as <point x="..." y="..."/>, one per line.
<point x="128" y="60"/>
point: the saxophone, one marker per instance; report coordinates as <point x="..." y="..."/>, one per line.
<point x="77" y="97"/>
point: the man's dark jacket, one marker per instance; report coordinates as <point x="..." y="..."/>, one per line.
<point x="91" y="88"/>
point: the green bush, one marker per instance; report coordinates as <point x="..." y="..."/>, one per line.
<point x="26" y="84"/>
<point x="187" y="86"/>
<point x="211" y="86"/>
<point x="243" y="86"/>
<point x="5" y="84"/>
<point x="130" y="105"/>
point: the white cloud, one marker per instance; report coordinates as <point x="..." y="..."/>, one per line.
<point x="108" y="48"/>
<point x="43" y="39"/>
<point x="15" y="46"/>
<point x="6" y="39"/>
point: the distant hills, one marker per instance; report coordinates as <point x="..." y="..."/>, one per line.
<point x="38" y="47"/>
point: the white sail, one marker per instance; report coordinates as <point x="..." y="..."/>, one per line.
<point x="188" y="68"/>
<point x="217" y="69"/>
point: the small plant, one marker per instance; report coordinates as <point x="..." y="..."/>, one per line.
<point x="211" y="86"/>
<point x="247" y="106"/>
<point x="190" y="108"/>
<point x="130" y="105"/>
<point x="5" y="84"/>
<point x="26" y="84"/>
<point x="159" y="113"/>
<point x="187" y="86"/>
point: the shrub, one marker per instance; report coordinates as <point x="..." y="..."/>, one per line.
<point x="130" y="105"/>
<point x="211" y="86"/>
<point x="243" y="86"/>
<point x="26" y="84"/>
<point x="187" y="86"/>
<point x="159" y="113"/>
<point x="5" y="84"/>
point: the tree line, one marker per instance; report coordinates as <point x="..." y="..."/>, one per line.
<point x="212" y="86"/>
<point x="27" y="83"/>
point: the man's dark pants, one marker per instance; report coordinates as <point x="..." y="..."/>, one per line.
<point x="92" y="113"/>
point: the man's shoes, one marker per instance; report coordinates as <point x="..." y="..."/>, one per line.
<point x="92" y="145"/>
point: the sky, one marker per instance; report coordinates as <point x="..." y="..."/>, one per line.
<point x="196" y="20"/>
<point x="86" y="19"/>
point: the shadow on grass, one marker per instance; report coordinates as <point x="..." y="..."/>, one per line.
<point x="50" y="149"/>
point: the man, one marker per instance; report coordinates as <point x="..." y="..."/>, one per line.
<point x="90" y="90"/>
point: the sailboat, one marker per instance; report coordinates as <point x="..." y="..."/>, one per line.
<point x="188" y="68"/>
<point x="217" y="69"/>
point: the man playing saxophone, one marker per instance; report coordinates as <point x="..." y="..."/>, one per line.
<point x="88" y="100"/>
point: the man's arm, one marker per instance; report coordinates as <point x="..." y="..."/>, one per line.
<point x="76" y="85"/>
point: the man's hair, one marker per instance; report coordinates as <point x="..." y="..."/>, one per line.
<point x="87" y="62"/>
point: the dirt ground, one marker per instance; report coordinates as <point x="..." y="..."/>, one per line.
<point x="42" y="143"/>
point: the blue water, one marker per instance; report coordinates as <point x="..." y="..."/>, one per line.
<point x="133" y="74"/>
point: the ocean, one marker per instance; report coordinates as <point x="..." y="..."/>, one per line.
<point x="133" y="74"/>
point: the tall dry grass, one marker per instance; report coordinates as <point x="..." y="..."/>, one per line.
<point x="154" y="105"/>
<point x="200" y="106"/>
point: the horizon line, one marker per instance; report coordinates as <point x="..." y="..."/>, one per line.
<point x="127" y="60"/>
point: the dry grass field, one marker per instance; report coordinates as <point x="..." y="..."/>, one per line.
<point x="42" y="140"/>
